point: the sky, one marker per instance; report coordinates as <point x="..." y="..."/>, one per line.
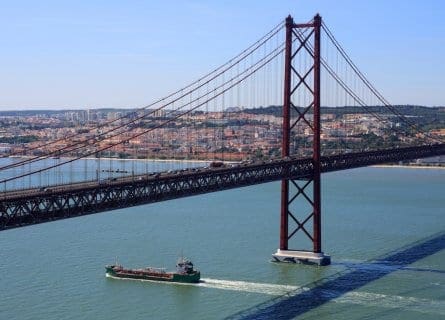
<point x="107" y="53"/>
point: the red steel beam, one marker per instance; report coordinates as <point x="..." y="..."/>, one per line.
<point x="316" y="141"/>
<point x="286" y="132"/>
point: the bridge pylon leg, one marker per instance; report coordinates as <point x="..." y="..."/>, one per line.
<point x="300" y="118"/>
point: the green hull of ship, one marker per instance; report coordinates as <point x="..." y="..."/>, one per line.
<point x="166" y="277"/>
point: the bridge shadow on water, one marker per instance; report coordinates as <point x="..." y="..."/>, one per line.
<point x="325" y="290"/>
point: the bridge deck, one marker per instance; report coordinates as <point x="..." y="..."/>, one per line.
<point x="31" y="206"/>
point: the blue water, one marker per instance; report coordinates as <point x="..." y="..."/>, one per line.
<point x="383" y="227"/>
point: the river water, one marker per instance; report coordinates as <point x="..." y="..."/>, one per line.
<point x="383" y="227"/>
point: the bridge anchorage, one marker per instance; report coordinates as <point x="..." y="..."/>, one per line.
<point x="295" y="193"/>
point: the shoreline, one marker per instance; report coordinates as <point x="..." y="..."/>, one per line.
<point x="406" y="166"/>
<point x="127" y="159"/>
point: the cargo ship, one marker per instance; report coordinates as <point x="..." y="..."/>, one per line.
<point x="185" y="273"/>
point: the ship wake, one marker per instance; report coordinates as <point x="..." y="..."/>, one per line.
<point x="251" y="287"/>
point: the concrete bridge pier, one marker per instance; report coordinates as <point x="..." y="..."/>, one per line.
<point x="303" y="257"/>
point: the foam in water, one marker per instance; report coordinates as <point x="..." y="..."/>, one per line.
<point x="252" y="287"/>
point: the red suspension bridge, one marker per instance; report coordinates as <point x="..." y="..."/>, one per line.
<point x="64" y="178"/>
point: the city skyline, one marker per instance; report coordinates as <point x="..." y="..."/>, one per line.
<point x="105" y="54"/>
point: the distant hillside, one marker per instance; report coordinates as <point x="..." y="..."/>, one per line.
<point x="405" y="110"/>
<point x="30" y="113"/>
<point x="426" y="117"/>
<point x="409" y="110"/>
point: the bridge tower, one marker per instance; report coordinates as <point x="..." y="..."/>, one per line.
<point x="296" y="80"/>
